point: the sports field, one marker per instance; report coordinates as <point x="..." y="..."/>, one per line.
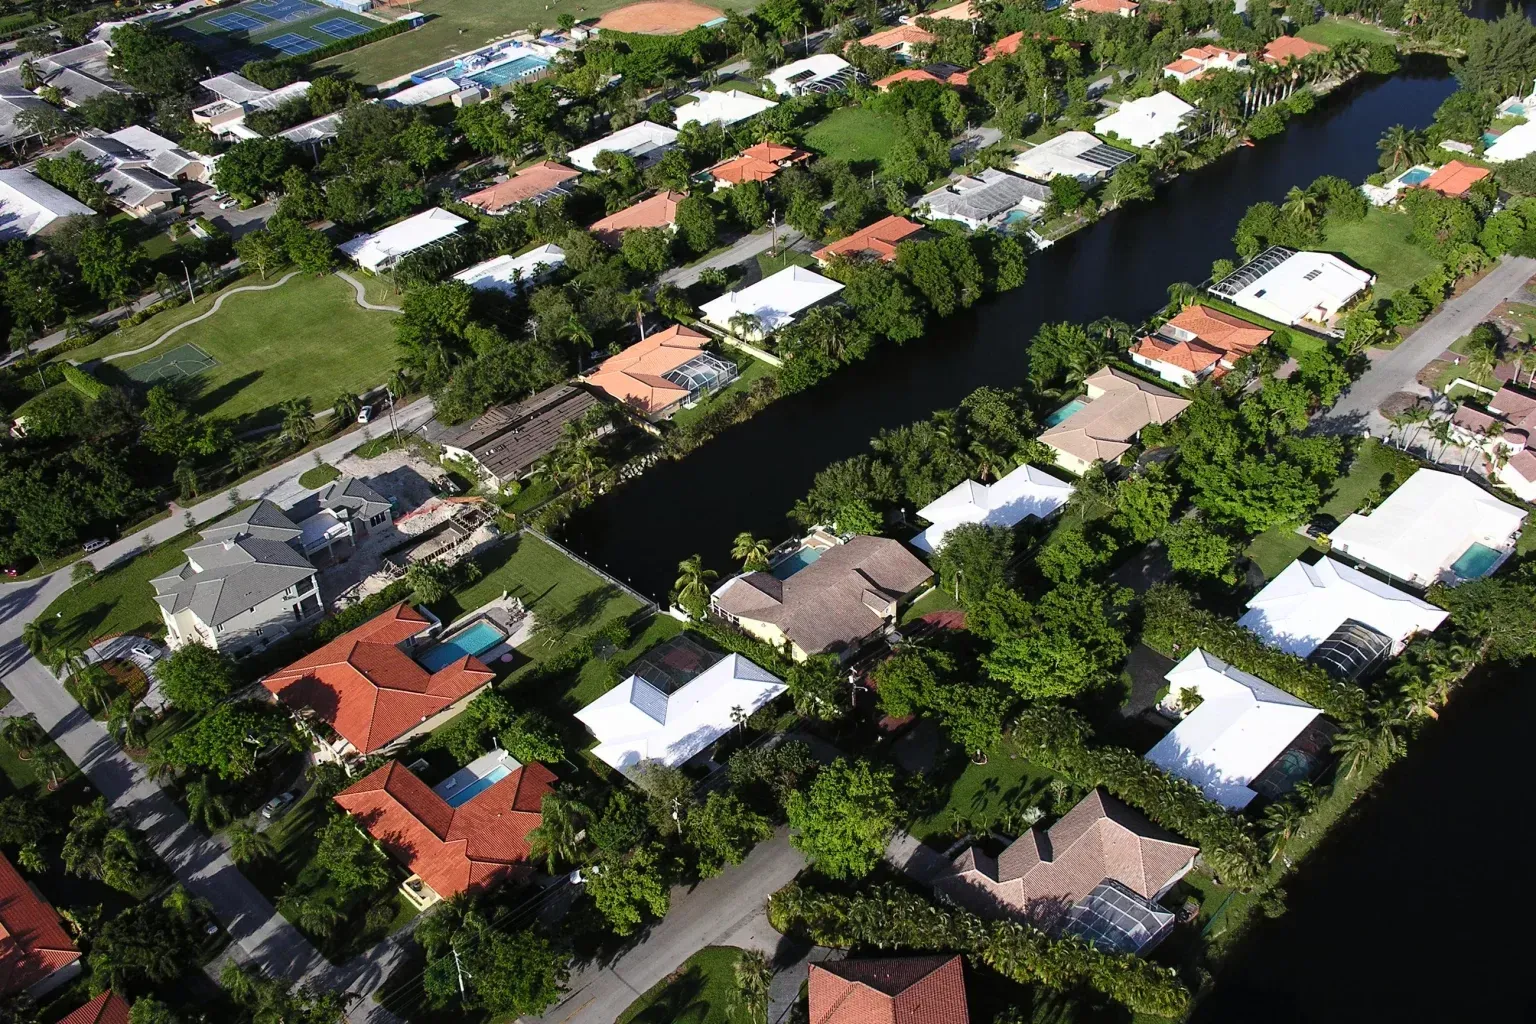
<point x="266" y="29"/>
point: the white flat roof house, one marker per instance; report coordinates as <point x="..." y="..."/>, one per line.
<point x="722" y="108"/>
<point x="511" y="274"/>
<point x="775" y="301"/>
<point x="1296" y="288"/>
<point x="1515" y="144"/>
<point x="983" y="199"/>
<point x="29" y="205"/>
<point x="1436" y="527"/>
<point x="1306" y="606"/>
<point x="1027" y="491"/>
<point x="1143" y="122"/>
<point x="1238" y="729"/>
<point x="1077" y="154"/>
<point x="643" y="141"/>
<point x="640" y="721"/>
<point x="820" y="72"/>
<point x="382" y="249"/>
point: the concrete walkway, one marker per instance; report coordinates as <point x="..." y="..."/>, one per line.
<point x="217" y="304"/>
<point x="362" y="294"/>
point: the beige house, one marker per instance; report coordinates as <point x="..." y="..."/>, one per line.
<point x="1108" y="418"/>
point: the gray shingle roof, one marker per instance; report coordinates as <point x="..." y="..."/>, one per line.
<point x="348" y="492"/>
<point x="508" y="440"/>
<point x="243" y="561"/>
<point x="983" y="196"/>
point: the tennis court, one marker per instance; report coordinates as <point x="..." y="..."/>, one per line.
<point x="264" y="29"/>
<point x="292" y="44"/>
<point x="339" y="28"/>
<point x="180" y="362"/>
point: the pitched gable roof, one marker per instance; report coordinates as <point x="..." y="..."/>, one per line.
<point x="1233" y="336"/>
<point x="636" y="375"/>
<point x="370" y="691"/>
<point x="240" y="562"/>
<point x="33" y="943"/>
<point x="879" y="239"/>
<point x="659" y="211"/>
<point x="1284" y="49"/>
<point x="1454" y="178"/>
<point x="1105" y="426"/>
<point x="528" y="183"/>
<point x="758" y="163"/>
<point x="897" y="35"/>
<point x="107" y="1008"/>
<point x="889" y="990"/>
<point x="472" y="847"/>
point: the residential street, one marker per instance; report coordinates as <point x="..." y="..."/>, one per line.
<point x="746" y="248"/>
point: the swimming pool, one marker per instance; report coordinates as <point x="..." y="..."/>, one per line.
<point x="1076" y="405"/>
<point x="795" y="562"/>
<point x="1489" y="139"/>
<point x="512" y="70"/>
<point x="1415" y="176"/>
<point x="1476" y="562"/>
<point x="477" y="639"/>
<point x="479" y="786"/>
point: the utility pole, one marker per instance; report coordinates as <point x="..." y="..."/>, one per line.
<point x="394" y="425"/>
<point x="459" y="970"/>
<point x="191" y="295"/>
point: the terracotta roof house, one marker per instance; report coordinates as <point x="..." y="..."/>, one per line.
<point x="889" y="990"/>
<point x="756" y="163"/>
<point x="507" y="441"/>
<point x="963" y="11"/>
<point x="1505" y="427"/>
<point x="1046" y="874"/>
<point x="536" y="184"/>
<point x="1284" y="49"/>
<point x="1113" y="411"/>
<point x="663" y="373"/>
<point x="107" y="1008"/>
<point x="1454" y="178"/>
<point x="833" y="604"/>
<point x="1197" y="60"/>
<point x="36" y="955"/>
<point x="899" y="39"/>
<point x="945" y="74"/>
<point x="1124" y="8"/>
<point x="879" y="240"/>
<point x="368" y="687"/>
<point x="1200" y="342"/>
<point x="472" y="843"/>
<point x="659" y="211"/>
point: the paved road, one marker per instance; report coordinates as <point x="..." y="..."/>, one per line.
<point x="1397" y="370"/>
<point x="748" y="247"/>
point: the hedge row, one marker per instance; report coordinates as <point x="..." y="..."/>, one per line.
<point x="1059" y="739"/>
<point x="1174" y="627"/>
<point x="283" y="70"/>
<point x="83" y="382"/>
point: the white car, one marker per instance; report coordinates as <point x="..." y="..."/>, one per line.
<point x="226" y="204"/>
<point x="92" y="546"/>
<point x="365" y="414"/>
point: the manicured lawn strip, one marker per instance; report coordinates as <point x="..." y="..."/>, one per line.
<point x="1275" y="549"/>
<point x="936" y="600"/>
<point x="982" y="791"/>
<point x="855" y="134"/>
<point x="770" y="265"/>
<point x="136" y="335"/>
<point x="1333" y="31"/>
<point x="1380" y="244"/>
<point x="1464" y="371"/>
<point x="319" y="476"/>
<point x="119" y="599"/>
<point x="751" y="370"/>
<point x="1301" y="341"/>
<point x="699" y="992"/>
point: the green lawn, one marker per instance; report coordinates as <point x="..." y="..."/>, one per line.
<point x="319" y="476"/>
<point x="119" y="599"/>
<point x="770" y="265"/>
<point x="699" y="992"/>
<point x="1380" y="244"/>
<point x="984" y="792"/>
<point x="936" y="600"/>
<point x="307" y="339"/>
<point x="751" y="370"/>
<point x="854" y="134"/>
<point x="1332" y="31"/>
<point x="1464" y="371"/>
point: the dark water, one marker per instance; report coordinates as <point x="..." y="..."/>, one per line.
<point x="747" y="478"/>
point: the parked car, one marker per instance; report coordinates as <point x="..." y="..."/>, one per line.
<point x="277" y="805"/>
<point x="228" y="203"/>
<point x="92" y="546"/>
<point x="365" y="414"/>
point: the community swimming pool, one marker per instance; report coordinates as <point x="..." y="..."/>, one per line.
<point x="1076" y="405"/>
<point x="476" y="639"/>
<point x="511" y="71"/>
<point x="1476" y="562"/>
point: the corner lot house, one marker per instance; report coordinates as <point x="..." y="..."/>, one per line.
<point x="644" y="142"/>
<point x="663" y="373"/>
<point x="985" y="199"/>
<point x="506" y="442"/>
<point x="1078" y="154"/>
<point x="774" y="301"/>
<point x="643" y="720"/>
<point x="1338" y="617"/>
<point x="1436" y="528"/>
<point x="820" y="72"/>
<point x="1503" y="430"/>
<point x="453" y="837"/>
<point x="1025" y="493"/>
<point x="245" y="583"/>
<point x="1102" y="424"/>
<point x="878" y="241"/>
<point x="511" y="274"/>
<point x="383" y="249"/>
<point x="1144" y="122"/>
<point x="30" y="206"/>
<point x="657" y="211"/>
<point x="1302" y="289"/>
<point x="371" y="686"/>
<point x="37" y="955"/>
<point x="537" y="184"/>
<point x="1198" y="343"/>
<point x="830" y="602"/>
<point x="898" y="990"/>
<point x="723" y="108"/>
<point x="1100" y="858"/>
<point x="1241" y="726"/>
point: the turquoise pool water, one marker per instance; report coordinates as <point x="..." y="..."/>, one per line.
<point x="795" y="562"/>
<point x="1489" y="138"/>
<point x="1475" y="562"/>
<point x="1067" y="410"/>
<point x="1515" y="110"/>
<point x="477" y="639"/>
<point x="511" y="71"/>
<point x="479" y="786"/>
<point x="1415" y="176"/>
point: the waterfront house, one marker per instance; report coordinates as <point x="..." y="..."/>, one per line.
<point x="878" y="241"/>
<point x="824" y="600"/>
<point x="774" y="302"/>
<point x="1026" y="493"/>
<point x="1080" y="155"/>
<point x="820" y="72"/>
<point x="1144" y="122"/>
<point x="1102" y="425"/>
<point x="511" y="274"/>
<point x="1437" y="527"/>
<point x="30" y="206"/>
<point x="1198" y="343"/>
<point x="37" y="955"/>
<point x="1300" y="289"/>
<point x="1284" y="49"/>
<point x="380" y="250"/>
<point x="724" y="108"/>
<point x="506" y="442"/>
<point x="468" y="834"/>
<point x="657" y="211"/>
<point x="888" y="990"/>
<point x="985" y="199"/>
<point x="645" y="142"/>
<point x="759" y="163"/>
<point x="1454" y="178"/>
<point x="1197" y="60"/>
<point x="537" y="184"/>
<point x="663" y="373"/>
<point x="1516" y="144"/>
<point x="1097" y="874"/>
<point x="1235" y="726"/>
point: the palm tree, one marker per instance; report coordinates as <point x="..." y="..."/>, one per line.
<point x="38" y="637"/>
<point x="185" y="906"/>
<point x="246" y="844"/>
<point x="692" y="585"/>
<point x="1356" y="745"/>
<point x="1170" y="153"/>
<point x="1282" y="821"/>
<point x="127" y="717"/>
<point x="751" y="552"/>
<point x="94" y="686"/>
<point x="745" y="325"/>
<point x="23" y="734"/>
<point x="1301" y="205"/>
<point x="574" y="330"/>
<point x="1401" y="147"/>
<point x="345" y="407"/>
<point x="50" y="761"/>
<point x="1095" y="494"/>
<point x="298" y="421"/>
<point x="556" y="837"/>
<point x="206" y="805"/>
<point x="314" y="913"/>
<point x="66" y="659"/>
<point x="753" y="976"/>
<point x="1440" y="430"/>
<point x="636" y="302"/>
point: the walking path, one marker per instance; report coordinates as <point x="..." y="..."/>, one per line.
<point x="740" y="251"/>
<point x="362" y="294"/>
<point x="217" y="304"/>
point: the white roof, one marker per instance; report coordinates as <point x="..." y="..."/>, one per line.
<point x="1061" y="155"/>
<point x="145" y="141"/>
<point x="813" y="69"/>
<point x="1428" y="523"/>
<point x="637" y="140"/>
<point x="423" y="93"/>
<point x="509" y="273"/>
<point x="1518" y="142"/>
<point x="318" y="130"/>
<point x="723" y="108"/>
<point x="1027" y="491"/>
<point x="277" y="97"/>
<point x="235" y="88"/>
<point x="1241" y="725"/>
<point x="980" y="197"/>
<point x="1301" y="607"/>
<point x="28" y="204"/>
<point x="1142" y="122"/>
<point x="1305" y="286"/>
<point x="383" y="247"/>
<point x="635" y="721"/>
<point x="773" y="300"/>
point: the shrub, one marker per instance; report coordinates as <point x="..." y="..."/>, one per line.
<point x="83" y="382"/>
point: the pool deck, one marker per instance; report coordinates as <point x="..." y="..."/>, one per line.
<point x="506" y="614"/>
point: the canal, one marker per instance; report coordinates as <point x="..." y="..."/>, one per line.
<point x="748" y="477"/>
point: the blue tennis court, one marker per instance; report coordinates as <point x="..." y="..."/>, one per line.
<point x="339" y="28"/>
<point x="291" y="44"/>
<point x="283" y="10"/>
<point x="234" y="21"/>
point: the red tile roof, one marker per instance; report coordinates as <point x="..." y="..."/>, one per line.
<point x="1219" y="338"/>
<point x="107" y="1008"/>
<point x="899" y="35"/>
<point x="1105" y="6"/>
<point x="1183" y="66"/>
<point x="1004" y="47"/>
<point x="890" y="990"/>
<point x="879" y="238"/>
<point x="1455" y="178"/>
<point x="659" y="211"/>
<point x="370" y="691"/>
<point x="472" y="847"/>
<point x="522" y="186"/>
<point x="635" y="376"/>
<point x="33" y="943"/>
<point x="1285" y="49"/>
<point x="758" y="163"/>
<point x="906" y="75"/>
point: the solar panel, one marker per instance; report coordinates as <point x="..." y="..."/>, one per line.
<point x="1250" y="272"/>
<point x="1116" y="919"/>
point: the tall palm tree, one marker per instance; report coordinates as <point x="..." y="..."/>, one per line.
<point x="575" y="331"/>
<point x="1356" y="746"/>
<point x="38" y="637"/>
<point x="23" y="734"/>
<point x="1282" y="822"/>
<point x="751" y="552"/>
<point x="692" y="585"/>
<point x="1181" y="294"/>
<point x="50" y="761"/>
<point x="95" y="687"/>
<point x="745" y="325"/>
<point x="298" y="421"/>
<point x="345" y="407"/>
<point x="246" y="844"/>
<point x="314" y="913"/>
<point x="636" y="302"/>
<point x="1302" y="205"/>
<point x="753" y="977"/>
<point x="1401" y="147"/>
<point x="126" y="717"/>
<point x="66" y="659"/>
<point x="206" y="805"/>
<point x="555" y="840"/>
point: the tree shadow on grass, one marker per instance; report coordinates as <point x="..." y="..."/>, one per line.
<point x="209" y="400"/>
